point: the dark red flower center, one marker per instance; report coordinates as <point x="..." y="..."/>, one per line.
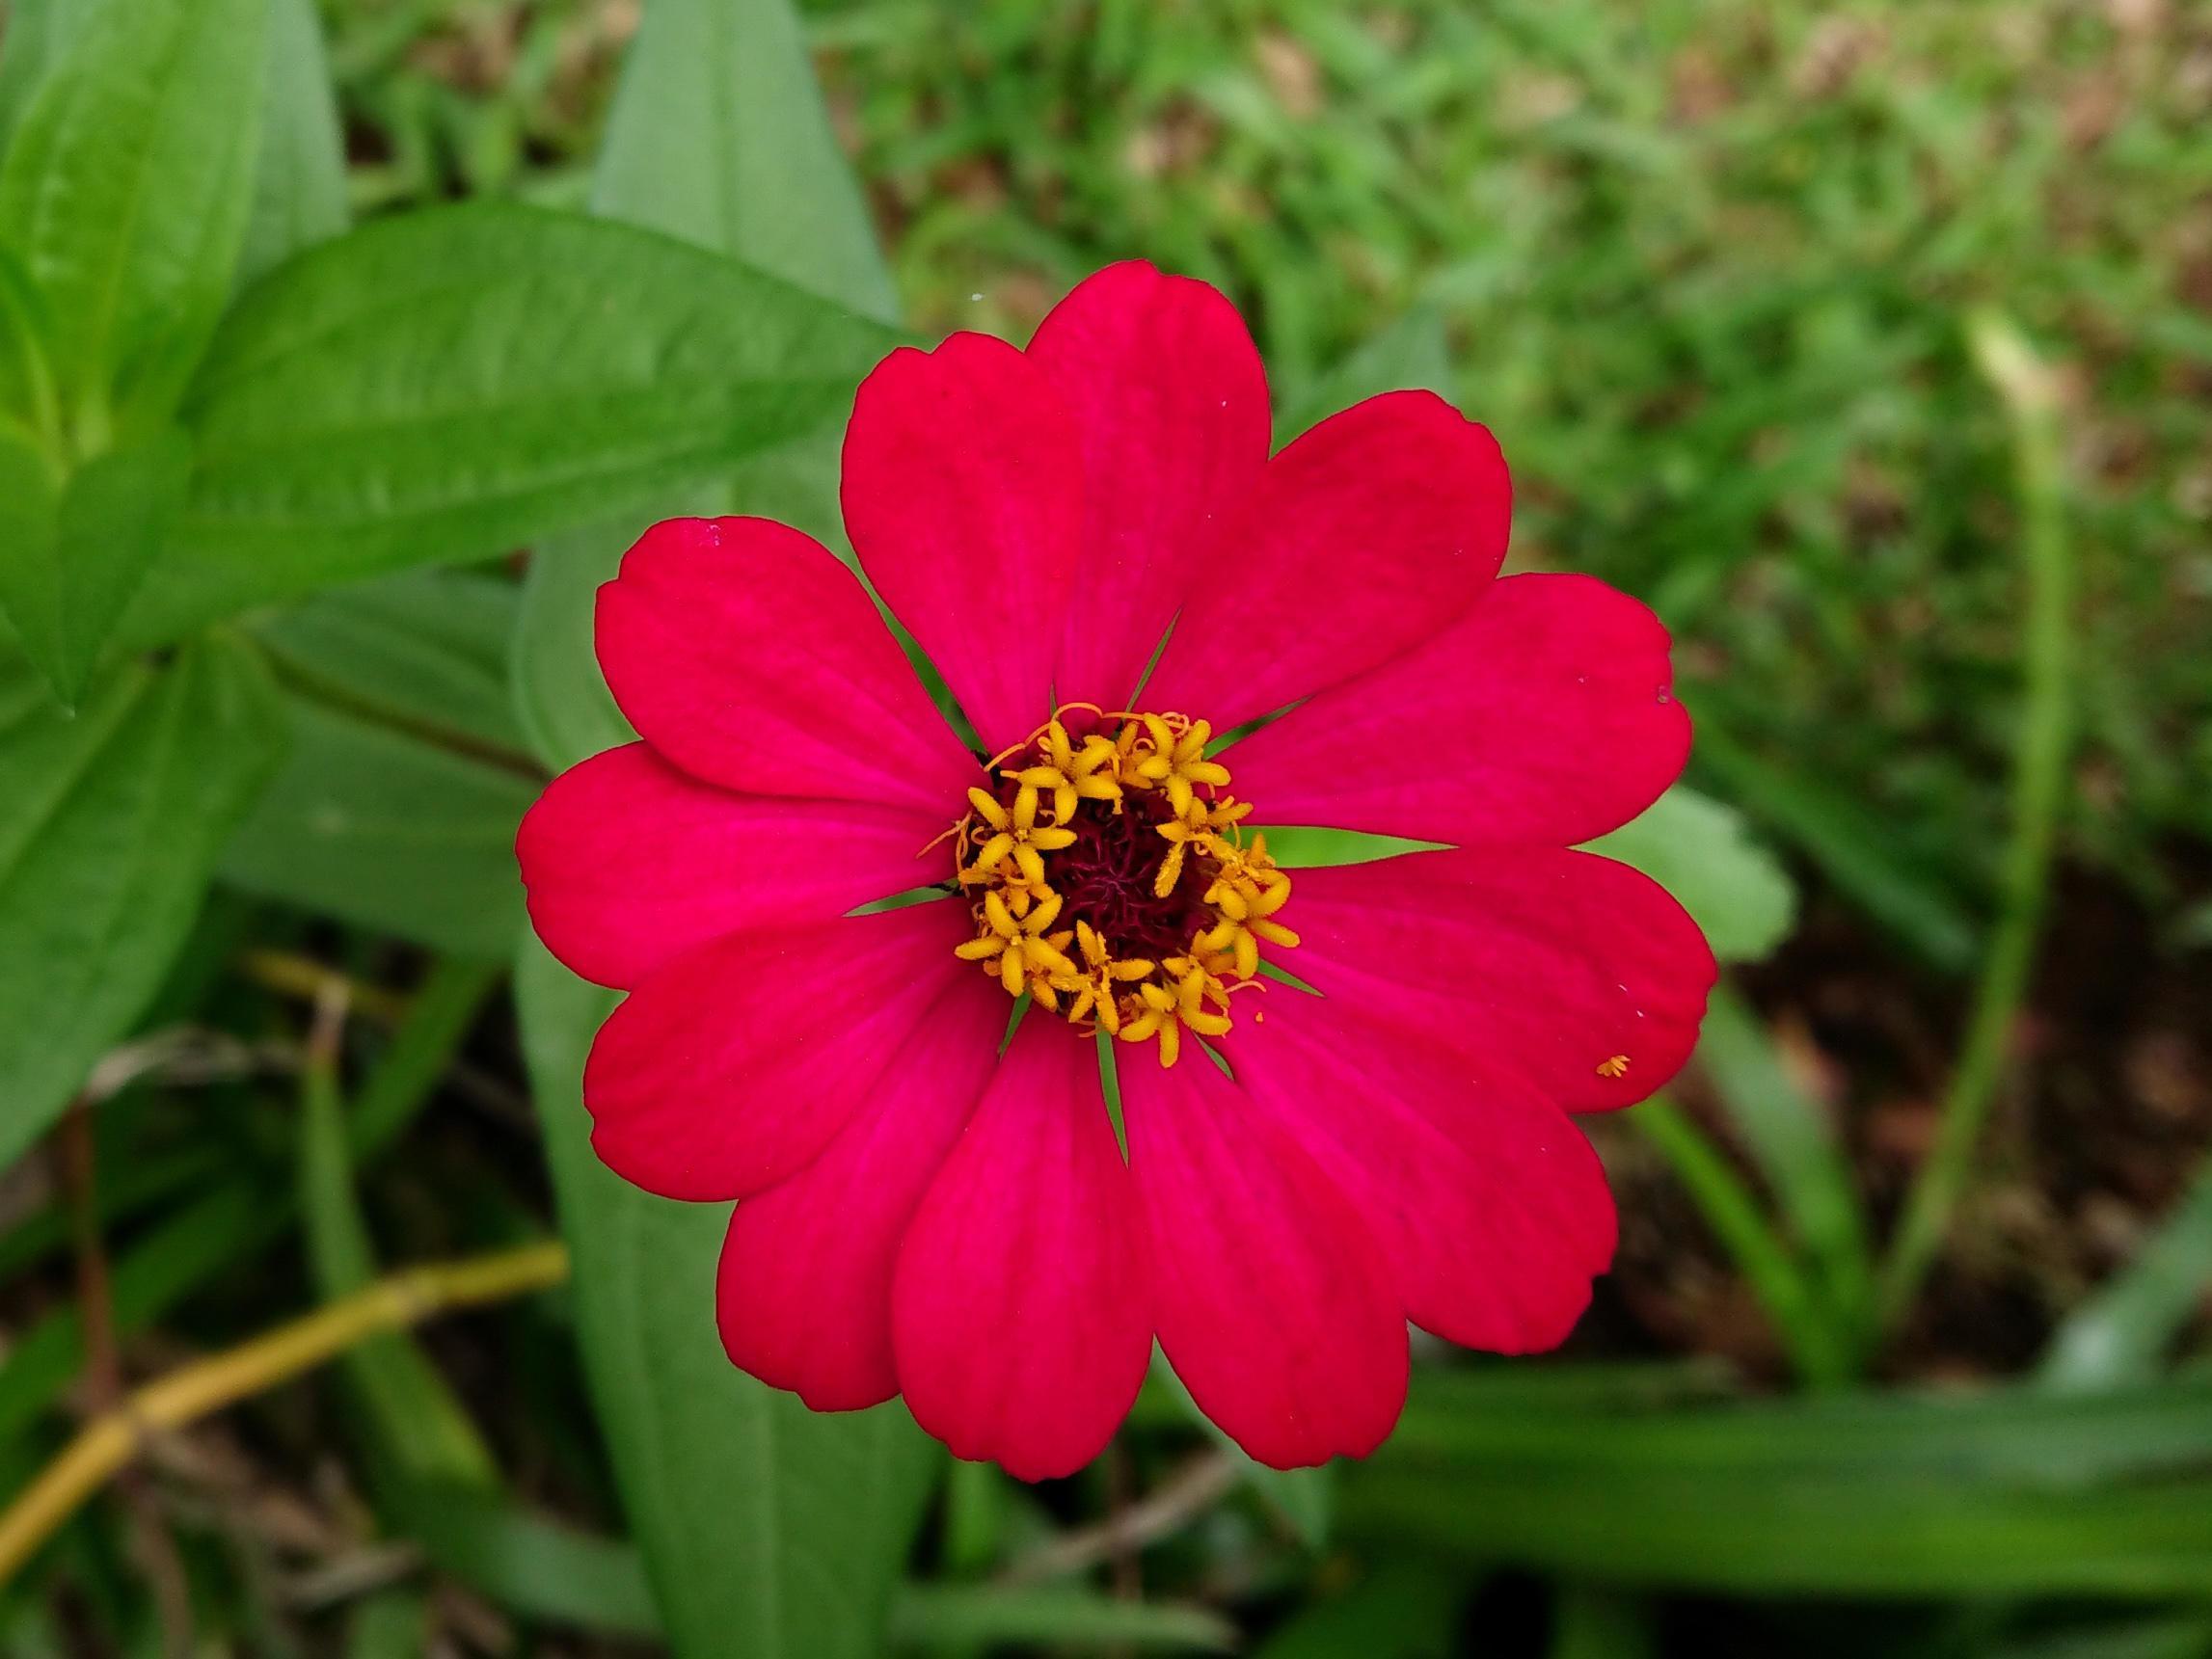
<point x="1108" y="867"/>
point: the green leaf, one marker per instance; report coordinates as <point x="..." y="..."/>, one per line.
<point x="375" y="826"/>
<point x="1819" y="1342"/>
<point x="65" y="600"/>
<point x="2121" y="1332"/>
<point x="125" y="193"/>
<point x="962" y="1618"/>
<point x="974" y="1518"/>
<point x="2011" y="1492"/>
<point x="447" y="384"/>
<point x="27" y="45"/>
<point x="299" y="179"/>
<point x="26" y="354"/>
<point x="1297" y="846"/>
<point x="1404" y="1610"/>
<point x="1699" y="851"/>
<point x="720" y="136"/>
<point x="767" y="1530"/>
<point x="30" y="528"/>
<point x="530" y="1565"/>
<point x="39" y="34"/>
<point x="425" y="651"/>
<point x="562" y="697"/>
<point x="110" y="824"/>
<point x="418" y="1433"/>
<point x="1796" y="1147"/>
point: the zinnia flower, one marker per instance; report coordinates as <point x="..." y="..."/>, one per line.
<point x="929" y="1207"/>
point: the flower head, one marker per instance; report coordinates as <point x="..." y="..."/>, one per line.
<point x="1308" y="1165"/>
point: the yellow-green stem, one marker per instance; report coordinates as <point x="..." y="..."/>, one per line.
<point x="111" y="1439"/>
<point x="2029" y="393"/>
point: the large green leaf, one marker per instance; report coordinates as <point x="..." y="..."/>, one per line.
<point x="26" y="45"/>
<point x="423" y="650"/>
<point x="768" y="1529"/>
<point x="30" y="526"/>
<point x="406" y="778"/>
<point x="110" y="824"/>
<point x="719" y="135"/>
<point x="125" y="193"/>
<point x="39" y="34"/>
<point x="449" y="383"/>
<point x="64" y="591"/>
<point x="299" y="181"/>
<point x="375" y="826"/>
<point x="2017" y="1492"/>
<point x="27" y="407"/>
<point x="561" y="696"/>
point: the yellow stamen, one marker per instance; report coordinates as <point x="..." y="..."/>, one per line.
<point x="1057" y="789"/>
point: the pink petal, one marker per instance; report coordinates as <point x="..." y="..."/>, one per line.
<point x="804" y="1289"/>
<point x="744" y="653"/>
<point x="1536" y="964"/>
<point x="1491" y="1209"/>
<point x="1019" y="1312"/>
<point x="1366" y="537"/>
<point x="1273" y="1302"/>
<point x="734" y="1065"/>
<point x="1170" y="403"/>
<point x="630" y="863"/>
<point x="1545" y="714"/>
<point x="964" y="496"/>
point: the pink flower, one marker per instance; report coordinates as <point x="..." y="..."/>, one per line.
<point x="921" y="1214"/>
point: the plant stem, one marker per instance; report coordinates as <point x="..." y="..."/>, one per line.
<point x="1820" y="1353"/>
<point x="288" y="974"/>
<point x="149" y="1541"/>
<point x="1196" y="1488"/>
<point x="111" y="1439"/>
<point x="2039" y="780"/>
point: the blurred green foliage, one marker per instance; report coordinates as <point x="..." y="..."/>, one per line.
<point x="1704" y="266"/>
